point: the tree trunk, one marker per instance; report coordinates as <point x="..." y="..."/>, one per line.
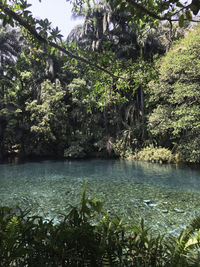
<point x="142" y="104"/>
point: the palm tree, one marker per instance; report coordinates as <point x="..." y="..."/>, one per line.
<point x="108" y="28"/>
<point x="91" y="33"/>
<point x="104" y="23"/>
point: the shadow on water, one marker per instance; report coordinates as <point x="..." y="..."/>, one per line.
<point x="166" y="196"/>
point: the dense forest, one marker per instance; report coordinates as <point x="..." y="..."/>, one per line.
<point x="125" y="84"/>
<point x="139" y="96"/>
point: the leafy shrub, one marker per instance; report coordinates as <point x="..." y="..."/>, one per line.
<point x="74" y="151"/>
<point x="155" y="154"/>
<point x="121" y="149"/>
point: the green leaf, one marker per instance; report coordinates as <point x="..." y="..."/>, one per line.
<point x="188" y="15"/>
<point x="74" y="61"/>
<point x="97" y="205"/>
<point x="52" y="50"/>
<point x="179" y="5"/>
<point x="18" y="110"/>
<point x="83" y="197"/>
<point x="181" y="21"/>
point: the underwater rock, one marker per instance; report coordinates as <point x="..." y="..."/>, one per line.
<point x="173" y="232"/>
<point x="178" y="210"/>
<point x="147" y="201"/>
<point x="153" y="205"/>
<point x="164" y="211"/>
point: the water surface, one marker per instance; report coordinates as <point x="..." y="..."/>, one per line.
<point x="166" y="196"/>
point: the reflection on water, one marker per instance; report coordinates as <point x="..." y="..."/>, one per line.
<point x="166" y="196"/>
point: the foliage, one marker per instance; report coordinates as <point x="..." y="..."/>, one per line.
<point x="53" y="105"/>
<point x="74" y="151"/>
<point x="10" y="111"/>
<point x="48" y="116"/>
<point x="125" y="144"/>
<point x="152" y="11"/>
<point x="155" y="154"/>
<point x="83" y="239"/>
<point x="175" y="97"/>
<point x="39" y="32"/>
<point x="67" y="108"/>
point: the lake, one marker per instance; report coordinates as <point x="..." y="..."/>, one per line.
<point x="166" y="196"/>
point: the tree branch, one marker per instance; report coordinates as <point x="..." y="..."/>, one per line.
<point x="148" y="12"/>
<point x="154" y="15"/>
<point x="43" y="40"/>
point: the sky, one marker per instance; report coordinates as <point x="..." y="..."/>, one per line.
<point x="56" y="11"/>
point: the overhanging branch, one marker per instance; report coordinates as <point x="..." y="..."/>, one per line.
<point x="146" y="11"/>
<point x="156" y="16"/>
<point x="43" y="40"/>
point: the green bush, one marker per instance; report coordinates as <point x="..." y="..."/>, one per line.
<point x="74" y="151"/>
<point x="155" y="154"/>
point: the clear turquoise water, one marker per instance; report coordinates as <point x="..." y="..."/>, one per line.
<point x="166" y="196"/>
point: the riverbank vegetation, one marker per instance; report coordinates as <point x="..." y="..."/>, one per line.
<point x="142" y="92"/>
<point x="86" y="237"/>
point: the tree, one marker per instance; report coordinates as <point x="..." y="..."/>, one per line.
<point x="131" y="47"/>
<point x="175" y="119"/>
<point x="150" y="11"/>
<point x="145" y="11"/>
<point x="48" y="118"/>
<point x="39" y="31"/>
<point x="10" y="41"/>
<point x="123" y="44"/>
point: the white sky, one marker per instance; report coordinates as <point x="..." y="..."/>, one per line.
<point x="56" y="11"/>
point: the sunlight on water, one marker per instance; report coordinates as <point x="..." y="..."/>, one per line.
<point x="166" y="196"/>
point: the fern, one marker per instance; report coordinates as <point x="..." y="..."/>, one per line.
<point x="187" y="241"/>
